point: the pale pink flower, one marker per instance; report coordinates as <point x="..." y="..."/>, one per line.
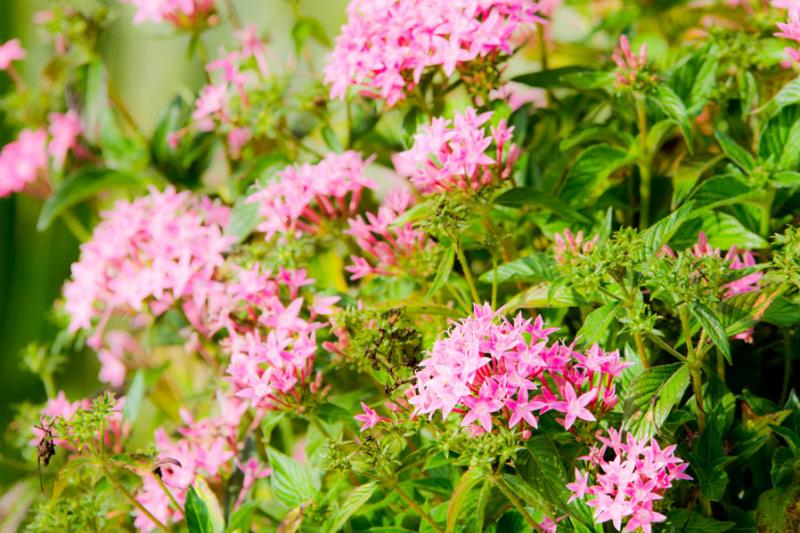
<point x="455" y="154"/>
<point x="369" y="418"/>
<point x="10" y="51"/>
<point x="180" y="13"/>
<point x="302" y="197"/>
<point x="23" y="162"/>
<point x="64" y="131"/>
<point x="569" y="246"/>
<point x="387" y="45"/>
<point x="791" y="30"/>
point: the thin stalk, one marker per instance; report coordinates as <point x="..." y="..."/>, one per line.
<point x="467" y="272"/>
<point x="236" y="22"/>
<point x="645" y="174"/>
<point x="505" y="489"/>
<point x="168" y="493"/>
<point x="415" y="506"/>
<point x="668" y="348"/>
<point x="637" y="337"/>
<point x="480" y="512"/>
<point x="119" y="104"/>
<point x="494" y="281"/>
<point x="695" y="366"/>
<point x="133" y="501"/>
<point x="75" y="226"/>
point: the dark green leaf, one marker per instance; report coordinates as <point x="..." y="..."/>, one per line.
<point x="722" y="190"/>
<point x="352" y="504"/>
<point x="785" y="178"/>
<point x="537" y="266"/>
<point x="736" y="153"/>
<point x="242" y="518"/>
<point x="556" y="77"/>
<point x="80" y="186"/>
<point x="528" y="196"/>
<point x="196" y="512"/>
<point x="443" y="272"/>
<point x="650" y="397"/>
<point x="468" y="480"/>
<point x="673" y="108"/>
<point x="589" y="171"/>
<point x="788" y="95"/>
<point x="713" y="328"/>
<point x="331" y="140"/>
<point x="692" y="522"/>
<point x="292" y="482"/>
<point x="659" y="234"/>
<point x="308" y="27"/>
<point x="597" y="324"/>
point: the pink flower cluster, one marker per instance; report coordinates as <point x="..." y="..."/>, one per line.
<point x="454" y="154"/>
<point x="791" y="30"/>
<point x="386" y="246"/>
<point x="626" y="486"/>
<point x="10" y="51"/>
<point x="387" y="45"/>
<point x="628" y="63"/>
<point x="146" y="255"/>
<point x="304" y="198"/>
<point x="24" y="162"/>
<point x="569" y="245"/>
<point x="206" y="448"/>
<point x="180" y="13"/>
<point x="494" y="371"/>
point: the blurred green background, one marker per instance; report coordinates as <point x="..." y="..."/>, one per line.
<point x="149" y="65"/>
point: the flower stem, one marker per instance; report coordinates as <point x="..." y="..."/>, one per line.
<point x="505" y="489"/>
<point x="467" y="272"/>
<point x="128" y="496"/>
<point x="169" y="494"/>
<point x="75" y="226"/>
<point x="414" y="505"/>
<point x="695" y="366"/>
<point x="637" y="337"/>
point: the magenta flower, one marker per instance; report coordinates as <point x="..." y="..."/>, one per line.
<point x="179" y="13"/>
<point x="369" y="418"/>
<point x="486" y="368"/>
<point x="452" y="154"/>
<point x="387" y="45"/>
<point x="10" y="51"/>
<point x="628" y="64"/>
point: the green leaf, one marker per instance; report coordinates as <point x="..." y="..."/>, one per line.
<point x="537" y="266"/>
<point x="244" y="219"/>
<point x="292" y="482"/>
<point x="725" y="231"/>
<point x="692" y="522"/>
<point x="528" y="196"/>
<point x="780" y="139"/>
<point x="650" y="397"/>
<point x="713" y="328"/>
<point x="672" y="106"/>
<point x="352" y="504"/>
<point x="659" y="234"/>
<point x="443" y="272"/>
<point x="211" y="503"/>
<point x="554" y="77"/>
<point x="331" y="413"/>
<point x="694" y="80"/>
<point x="736" y="153"/>
<point x="544" y="295"/>
<point x="134" y="397"/>
<point x="242" y="518"/>
<point x="774" y="513"/>
<point x="468" y="480"/>
<point x="788" y="95"/>
<point x="722" y="190"/>
<point x="308" y="27"/>
<point x="196" y="513"/>
<point x="785" y="178"/>
<point x="590" y="170"/>
<point x="597" y="324"/>
<point x="80" y="186"/>
<point x="331" y="140"/>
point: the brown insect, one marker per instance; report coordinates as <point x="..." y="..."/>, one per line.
<point x="45" y="450"/>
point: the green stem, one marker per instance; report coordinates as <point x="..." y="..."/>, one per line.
<point x="415" y="506"/>
<point x="467" y="272"/>
<point x="168" y="493"/>
<point x="645" y="175"/>
<point x="641" y="349"/>
<point x="668" y="348"/>
<point x="133" y="501"/>
<point x="75" y="226"/>
<point x="494" y="281"/>
<point x="480" y="512"/>
<point x="695" y="366"/>
<point x="766" y="213"/>
<point x="505" y="489"/>
<point x="234" y="16"/>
